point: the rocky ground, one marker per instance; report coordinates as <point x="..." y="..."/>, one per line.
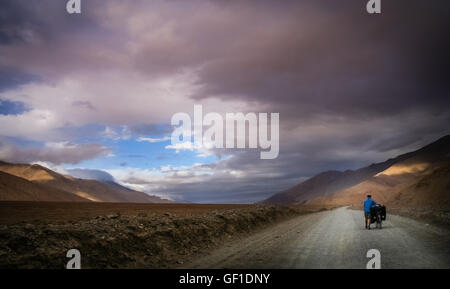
<point x="438" y="217"/>
<point x="142" y="240"/>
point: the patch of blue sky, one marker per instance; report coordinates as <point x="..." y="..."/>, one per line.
<point x="143" y="155"/>
<point x="125" y="152"/>
<point x="8" y="107"/>
<point x="24" y="143"/>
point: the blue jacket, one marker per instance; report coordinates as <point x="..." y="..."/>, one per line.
<point x="367" y="204"/>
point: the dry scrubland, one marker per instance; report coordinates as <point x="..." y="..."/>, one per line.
<point x="427" y="215"/>
<point x="38" y="235"/>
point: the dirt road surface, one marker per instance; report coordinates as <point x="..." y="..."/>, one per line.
<point x="335" y="239"/>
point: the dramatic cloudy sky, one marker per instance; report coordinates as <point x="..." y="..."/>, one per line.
<point x="93" y="94"/>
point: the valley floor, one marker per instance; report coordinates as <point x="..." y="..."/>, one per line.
<point x="111" y="235"/>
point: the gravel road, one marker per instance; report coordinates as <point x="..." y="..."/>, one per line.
<point x="335" y="239"/>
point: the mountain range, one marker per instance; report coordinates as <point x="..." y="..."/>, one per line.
<point x="416" y="179"/>
<point x="25" y="182"/>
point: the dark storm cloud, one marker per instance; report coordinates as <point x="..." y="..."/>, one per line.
<point x="297" y="57"/>
<point x="23" y="19"/>
<point x="38" y="37"/>
<point x="342" y="61"/>
<point x="10" y="78"/>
